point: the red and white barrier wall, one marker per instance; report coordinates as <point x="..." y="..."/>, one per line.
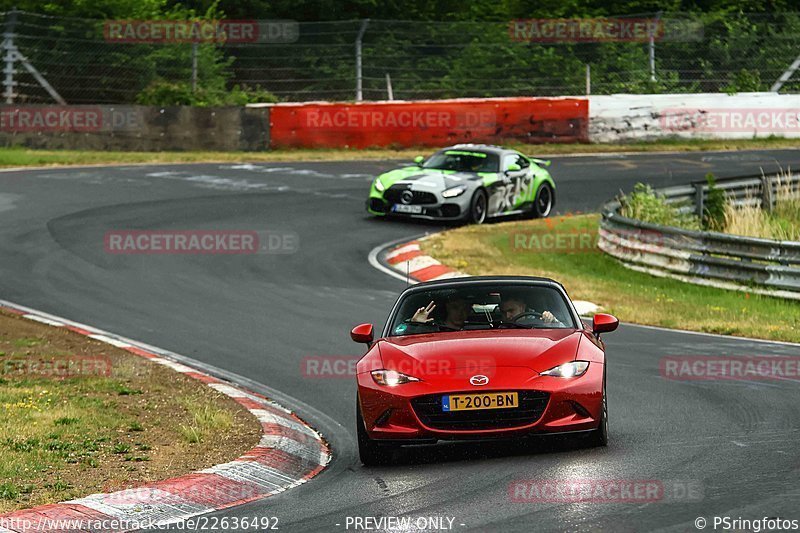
<point x="606" y="118"/>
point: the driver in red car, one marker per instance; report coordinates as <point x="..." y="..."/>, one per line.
<point x="513" y="305"/>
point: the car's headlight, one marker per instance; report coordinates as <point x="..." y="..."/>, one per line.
<point x="379" y="185"/>
<point x="568" y="370"/>
<point x="391" y="378"/>
<point x="454" y="191"/>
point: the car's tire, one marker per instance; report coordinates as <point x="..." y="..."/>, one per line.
<point x="543" y="202"/>
<point x="599" y="437"/>
<point x="370" y="452"/>
<point x="477" y="208"/>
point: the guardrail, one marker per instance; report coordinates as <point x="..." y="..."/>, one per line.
<point x="760" y="266"/>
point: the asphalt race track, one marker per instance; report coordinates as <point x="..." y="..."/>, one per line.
<point x="259" y="315"/>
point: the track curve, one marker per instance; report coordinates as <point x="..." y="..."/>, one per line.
<point x="259" y="316"/>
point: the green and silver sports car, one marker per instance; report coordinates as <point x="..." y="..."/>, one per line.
<point x="465" y="182"/>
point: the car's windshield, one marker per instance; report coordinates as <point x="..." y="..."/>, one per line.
<point x="482" y="306"/>
<point x="463" y="161"/>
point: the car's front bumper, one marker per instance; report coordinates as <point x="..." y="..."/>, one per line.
<point x="438" y="211"/>
<point x="572" y="405"/>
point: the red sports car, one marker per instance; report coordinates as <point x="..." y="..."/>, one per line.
<point x="483" y="357"/>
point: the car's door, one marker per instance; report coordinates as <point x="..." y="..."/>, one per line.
<point x="525" y="193"/>
<point x="514" y="182"/>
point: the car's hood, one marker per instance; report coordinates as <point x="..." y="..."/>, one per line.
<point x="426" y="178"/>
<point x="479" y="351"/>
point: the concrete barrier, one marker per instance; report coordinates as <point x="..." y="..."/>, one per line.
<point x="641" y="117"/>
<point x="134" y="128"/>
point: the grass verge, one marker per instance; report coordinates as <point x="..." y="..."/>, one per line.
<point x="22" y="157"/>
<point x="517" y="248"/>
<point x="81" y="417"/>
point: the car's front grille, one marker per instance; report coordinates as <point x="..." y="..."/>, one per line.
<point x="531" y="406"/>
<point x="394" y="195"/>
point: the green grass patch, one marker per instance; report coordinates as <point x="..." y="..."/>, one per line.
<point x="27" y="342"/>
<point x="23" y="157"/>
<point x="50" y="421"/>
<point x="206" y="417"/>
<point x="516" y="248"/>
<point x="66" y="437"/>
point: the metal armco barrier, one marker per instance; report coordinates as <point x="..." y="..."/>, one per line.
<point x="428" y="122"/>
<point x="708" y="258"/>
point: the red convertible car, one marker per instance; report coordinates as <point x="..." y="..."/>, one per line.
<point x="480" y="358"/>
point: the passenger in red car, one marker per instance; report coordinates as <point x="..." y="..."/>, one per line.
<point x="456" y="313"/>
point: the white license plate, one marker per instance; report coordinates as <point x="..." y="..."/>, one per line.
<point x="411" y="209"/>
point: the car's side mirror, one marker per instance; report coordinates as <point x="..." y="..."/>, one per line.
<point x="513" y="167"/>
<point x="418" y="160"/>
<point x="603" y="323"/>
<point x="362" y="333"/>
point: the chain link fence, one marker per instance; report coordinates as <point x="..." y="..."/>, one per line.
<point x="382" y="59"/>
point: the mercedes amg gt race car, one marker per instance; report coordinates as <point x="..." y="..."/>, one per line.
<point x="467" y="183"/>
<point x="480" y="358"/>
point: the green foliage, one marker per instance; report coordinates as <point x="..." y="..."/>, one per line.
<point x="100" y="9"/>
<point x="745" y="81"/>
<point x="164" y="93"/>
<point x="714" y="206"/>
<point x="648" y="206"/>
<point x="8" y="491"/>
<point x="431" y="49"/>
<point x="121" y="448"/>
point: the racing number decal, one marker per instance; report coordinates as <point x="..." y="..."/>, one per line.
<point x="516" y="193"/>
<point x="523" y="189"/>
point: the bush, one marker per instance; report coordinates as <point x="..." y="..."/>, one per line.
<point x="648" y="206"/>
<point x="714" y="206"/>
<point x="164" y="93"/>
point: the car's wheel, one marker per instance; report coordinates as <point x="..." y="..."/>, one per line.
<point x="599" y="437"/>
<point x="370" y="452"/>
<point x="543" y="202"/>
<point x="477" y="207"/>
